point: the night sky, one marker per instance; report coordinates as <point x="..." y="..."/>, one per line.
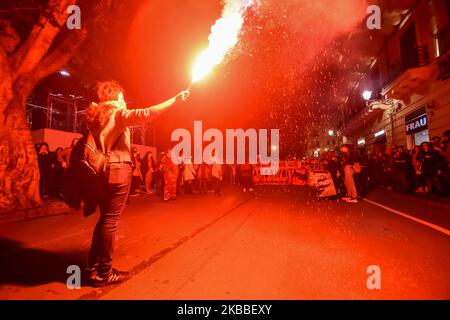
<point x="285" y="71"/>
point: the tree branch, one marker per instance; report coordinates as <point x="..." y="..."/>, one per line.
<point x="5" y="82"/>
<point x="61" y="55"/>
<point x="9" y="38"/>
<point x="41" y="37"/>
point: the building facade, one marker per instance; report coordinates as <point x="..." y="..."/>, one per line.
<point x="317" y="146"/>
<point x="407" y="88"/>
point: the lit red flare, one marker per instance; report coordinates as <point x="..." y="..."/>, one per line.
<point x="223" y="37"/>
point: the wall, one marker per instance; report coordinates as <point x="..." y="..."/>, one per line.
<point x="57" y="138"/>
<point x="435" y="94"/>
<point x="54" y="138"/>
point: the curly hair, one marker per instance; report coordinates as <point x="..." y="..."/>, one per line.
<point x="108" y="90"/>
<point x="96" y="115"/>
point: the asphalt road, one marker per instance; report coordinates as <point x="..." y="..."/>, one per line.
<point x="279" y="243"/>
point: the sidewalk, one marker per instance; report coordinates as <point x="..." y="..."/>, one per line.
<point x="422" y="207"/>
<point x="433" y="198"/>
<point x="50" y="207"/>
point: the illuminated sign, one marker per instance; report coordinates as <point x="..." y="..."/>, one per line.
<point x="417" y="124"/>
<point x="416" y="121"/>
<point x="380" y="133"/>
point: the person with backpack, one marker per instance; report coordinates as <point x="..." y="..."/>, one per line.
<point x="108" y="123"/>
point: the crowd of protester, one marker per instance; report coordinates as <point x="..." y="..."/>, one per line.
<point x="158" y="176"/>
<point x="168" y="180"/>
<point x="422" y="169"/>
<point x="52" y="166"/>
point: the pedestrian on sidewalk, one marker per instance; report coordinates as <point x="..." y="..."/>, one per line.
<point x="108" y="123"/>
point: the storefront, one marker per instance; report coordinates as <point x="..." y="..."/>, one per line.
<point x="379" y="142"/>
<point x="416" y="126"/>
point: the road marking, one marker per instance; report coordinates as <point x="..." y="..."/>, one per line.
<point x="407" y="216"/>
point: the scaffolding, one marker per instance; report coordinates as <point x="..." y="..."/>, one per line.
<point x="64" y="113"/>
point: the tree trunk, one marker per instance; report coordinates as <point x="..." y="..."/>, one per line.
<point x="19" y="170"/>
<point x="20" y="71"/>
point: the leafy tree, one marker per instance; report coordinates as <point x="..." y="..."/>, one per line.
<point x="35" y="43"/>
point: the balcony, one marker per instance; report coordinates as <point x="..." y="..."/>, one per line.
<point x="405" y="77"/>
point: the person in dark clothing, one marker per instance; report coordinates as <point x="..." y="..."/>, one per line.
<point x="388" y="168"/>
<point x="401" y="170"/>
<point x="59" y="167"/>
<point x="108" y="123"/>
<point x="445" y="153"/>
<point x="441" y="165"/>
<point x="45" y="170"/>
<point x="37" y="146"/>
<point x="379" y="170"/>
<point x="158" y="179"/>
<point x="429" y="159"/>
<point x="202" y="178"/>
<point x="137" y="177"/>
<point x="147" y="169"/>
<point x="361" y="176"/>
<point x="418" y="182"/>
<point x="372" y="173"/>
<point x="246" y="174"/>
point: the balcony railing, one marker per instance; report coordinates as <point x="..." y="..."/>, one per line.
<point x="443" y="40"/>
<point x="399" y="66"/>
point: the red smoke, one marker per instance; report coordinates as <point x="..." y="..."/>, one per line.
<point x="260" y="84"/>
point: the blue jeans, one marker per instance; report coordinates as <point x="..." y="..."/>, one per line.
<point x="116" y="186"/>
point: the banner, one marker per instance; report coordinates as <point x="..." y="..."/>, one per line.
<point x="299" y="173"/>
<point x="289" y="173"/>
<point x="323" y="182"/>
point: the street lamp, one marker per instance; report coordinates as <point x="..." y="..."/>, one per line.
<point x="330" y="133"/>
<point x="367" y="95"/>
<point x="373" y="104"/>
<point x="64" y="73"/>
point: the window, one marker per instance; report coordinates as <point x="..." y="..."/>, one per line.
<point x="447" y="4"/>
<point x="422" y="136"/>
<point x="408" y="47"/>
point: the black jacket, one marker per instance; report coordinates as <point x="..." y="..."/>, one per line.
<point x="82" y="183"/>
